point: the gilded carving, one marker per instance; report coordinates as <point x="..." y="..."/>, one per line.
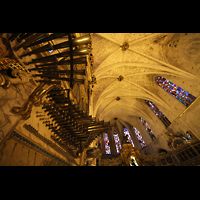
<point x="35" y="99"/>
<point x="177" y="140"/>
<point x="11" y="71"/>
<point x="92" y="84"/>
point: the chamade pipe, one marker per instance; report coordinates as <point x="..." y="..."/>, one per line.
<point x="84" y="40"/>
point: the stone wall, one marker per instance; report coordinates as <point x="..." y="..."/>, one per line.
<point x="16" y="153"/>
<point x="16" y="95"/>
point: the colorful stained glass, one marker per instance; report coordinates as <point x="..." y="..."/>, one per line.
<point x="184" y="97"/>
<point x="117" y="142"/>
<point x="158" y="113"/>
<point x="107" y="144"/>
<point x="126" y="133"/>
<point x="139" y="136"/>
<point x="148" y="129"/>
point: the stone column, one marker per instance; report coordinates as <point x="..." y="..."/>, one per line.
<point x="132" y="134"/>
<point x="112" y="142"/>
<point x="103" y="144"/>
<point x="121" y="130"/>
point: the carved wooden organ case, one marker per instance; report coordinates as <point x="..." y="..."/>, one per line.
<point x="61" y="65"/>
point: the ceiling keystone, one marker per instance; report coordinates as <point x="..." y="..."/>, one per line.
<point x="125" y="46"/>
<point x="118" y="98"/>
<point x="120" y="78"/>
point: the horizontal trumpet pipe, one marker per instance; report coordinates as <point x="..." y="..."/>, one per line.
<point x="58" y="90"/>
<point x="31" y="39"/>
<point x="69" y="133"/>
<point x="48" y="38"/>
<point x="75" y="106"/>
<point x="73" y="130"/>
<point x="76" y="52"/>
<point x="57" y="93"/>
<point x="61" y="72"/>
<point x="43" y="68"/>
<point x="57" y="96"/>
<point x="83" y="40"/>
<point x="53" y="76"/>
<point x="52" y="107"/>
<point x="48" y="81"/>
<point x="24" y="36"/>
<point x="73" y="133"/>
<point x="57" y="77"/>
<point x="74" y="140"/>
<point x="47" y="47"/>
<point x="13" y="36"/>
<point x="81" y="60"/>
<point x="52" y="58"/>
<point x="72" y="125"/>
<point x="61" y="117"/>
<point x="58" y="101"/>
<point x="58" y="121"/>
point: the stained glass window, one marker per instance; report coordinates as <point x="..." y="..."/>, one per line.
<point x="184" y="97"/>
<point x="107" y="144"/>
<point x="126" y="133"/>
<point x="158" y="113"/>
<point x="148" y="129"/>
<point x="117" y="142"/>
<point x="139" y="136"/>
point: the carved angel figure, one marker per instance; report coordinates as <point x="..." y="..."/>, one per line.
<point x="11" y="71"/>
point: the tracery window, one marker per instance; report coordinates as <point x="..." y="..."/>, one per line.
<point x="139" y="136"/>
<point x="148" y="129"/>
<point x="184" y="97"/>
<point x="117" y="142"/>
<point x="158" y="113"/>
<point x="107" y="144"/>
<point x="126" y="133"/>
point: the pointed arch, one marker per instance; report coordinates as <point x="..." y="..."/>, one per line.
<point x="130" y="107"/>
<point x="107" y="143"/>
<point x="139" y="137"/>
<point x="129" y="139"/>
<point x="158" y="113"/>
<point x="117" y="141"/>
<point x="147" y="127"/>
<point x="183" y="96"/>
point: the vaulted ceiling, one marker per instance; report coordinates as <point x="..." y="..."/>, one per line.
<point x="125" y="66"/>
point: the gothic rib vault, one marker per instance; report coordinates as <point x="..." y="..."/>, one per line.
<point x="125" y="66"/>
<point x="118" y="74"/>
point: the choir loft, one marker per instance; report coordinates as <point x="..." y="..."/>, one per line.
<point x="99" y="99"/>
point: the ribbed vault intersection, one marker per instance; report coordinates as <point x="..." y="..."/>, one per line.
<point x="125" y="66"/>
